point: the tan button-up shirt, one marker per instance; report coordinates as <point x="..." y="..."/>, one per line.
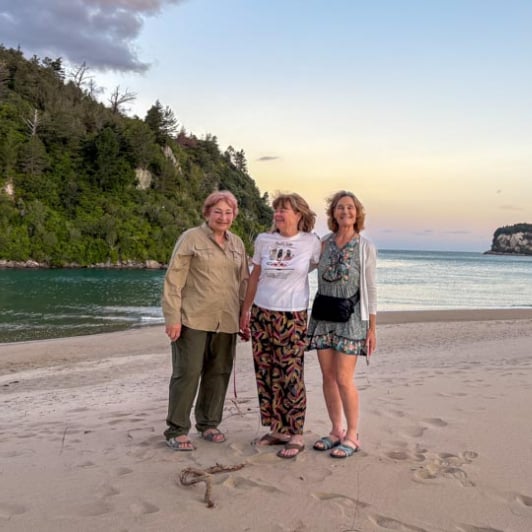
<point x="205" y="283"/>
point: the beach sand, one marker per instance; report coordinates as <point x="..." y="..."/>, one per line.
<point x="445" y="430"/>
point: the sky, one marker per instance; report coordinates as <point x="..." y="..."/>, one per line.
<point x="422" y="108"/>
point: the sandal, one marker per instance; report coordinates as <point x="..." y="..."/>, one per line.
<point x="180" y="445"/>
<point x="326" y="443"/>
<point x="345" y="449"/>
<point x="287" y="447"/>
<point x="213" y="435"/>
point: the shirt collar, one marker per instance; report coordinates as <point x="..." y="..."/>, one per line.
<point x="210" y="232"/>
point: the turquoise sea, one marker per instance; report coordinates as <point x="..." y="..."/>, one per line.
<point x="40" y="304"/>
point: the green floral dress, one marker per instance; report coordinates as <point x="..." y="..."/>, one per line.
<point x="339" y="276"/>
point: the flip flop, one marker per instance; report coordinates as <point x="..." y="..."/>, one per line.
<point x="347" y="450"/>
<point x="269" y="439"/>
<point x="178" y="445"/>
<point x="326" y="443"/>
<point x="288" y="446"/>
<point x="213" y="435"/>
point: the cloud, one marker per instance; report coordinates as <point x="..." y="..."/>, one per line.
<point x="268" y="158"/>
<point x="510" y="208"/>
<point x="100" y="33"/>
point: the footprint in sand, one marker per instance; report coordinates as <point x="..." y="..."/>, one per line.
<point x="397" y="413"/>
<point x="398" y="455"/>
<point x="239" y="482"/>
<point x="326" y="496"/>
<point x="109" y="491"/>
<point x="143" y="507"/>
<point x="472" y="528"/>
<point x="458" y="474"/>
<point x="415" y="432"/>
<point x="316" y="474"/>
<point x="94" y="509"/>
<point x="86" y="464"/>
<point x="392" y="524"/>
<point x="9" y="510"/>
<point x="447" y="465"/>
<point x="436" y="422"/>
<point x="469" y="456"/>
<point x="122" y="471"/>
<point x="525" y="500"/>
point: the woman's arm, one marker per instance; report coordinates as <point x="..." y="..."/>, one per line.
<point x="253" y="282"/>
<point x="371" y="285"/>
<point x="174" y="280"/>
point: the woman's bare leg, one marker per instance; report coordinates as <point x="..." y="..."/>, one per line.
<point x="331" y="392"/>
<point x="345" y="373"/>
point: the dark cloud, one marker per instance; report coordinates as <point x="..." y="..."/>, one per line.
<point x="268" y="158"/>
<point x="98" y="32"/>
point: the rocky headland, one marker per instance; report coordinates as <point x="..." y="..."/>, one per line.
<point x="512" y="240"/>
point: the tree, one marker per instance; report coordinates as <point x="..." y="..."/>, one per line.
<point x="4" y="78"/>
<point x="79" y="76"/>
<point x="32" y="155"/>
<point x="119" y="99"/>
<point x="162" y="122"/>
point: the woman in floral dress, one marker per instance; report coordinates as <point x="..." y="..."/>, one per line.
<point x="347" y="266"/>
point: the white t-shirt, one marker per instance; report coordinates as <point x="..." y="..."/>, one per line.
<point x="285" y="263"/>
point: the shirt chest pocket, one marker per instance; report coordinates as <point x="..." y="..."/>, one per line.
<point x="237" y="257"/>
<point x="203" y="259"/>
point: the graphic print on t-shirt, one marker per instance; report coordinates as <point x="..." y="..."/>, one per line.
<point x="280" y="257"/>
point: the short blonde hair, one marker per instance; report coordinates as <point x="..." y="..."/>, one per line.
<point x="215" y="197"/>
<point x="298" y="205"/>
<point x="333" y="202"/>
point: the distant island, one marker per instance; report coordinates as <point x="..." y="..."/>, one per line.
<point x="512" y="240"/>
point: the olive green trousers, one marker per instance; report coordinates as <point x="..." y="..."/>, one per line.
<point x="203" y="360"/>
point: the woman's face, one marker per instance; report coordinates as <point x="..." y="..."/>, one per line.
<point x="286" y="219"/>
<point x="220" y="217"/>
<point x="345" y="212"/>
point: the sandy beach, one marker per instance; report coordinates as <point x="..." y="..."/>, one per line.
<point x="445" y="432"/>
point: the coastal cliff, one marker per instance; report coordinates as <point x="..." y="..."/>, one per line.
<point x="512" y="240"/>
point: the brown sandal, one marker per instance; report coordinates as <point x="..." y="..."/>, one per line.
<point x="287" y="447"/>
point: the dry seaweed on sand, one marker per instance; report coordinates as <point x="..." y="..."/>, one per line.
<point x="191" y="475"/>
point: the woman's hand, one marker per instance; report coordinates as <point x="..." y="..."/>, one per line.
<point x="371" y="341"/>
<point x="244" y="320"/>
<point x="245" y="332"/>
<point x="173" y="331"/>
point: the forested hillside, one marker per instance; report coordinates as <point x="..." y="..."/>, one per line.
<point x="81" y="183"/>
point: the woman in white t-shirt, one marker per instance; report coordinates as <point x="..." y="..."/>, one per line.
<point x="275" y="309"/>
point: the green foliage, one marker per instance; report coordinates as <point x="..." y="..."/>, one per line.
<point x="510" y="229"/>
<point x="69" y="166"/>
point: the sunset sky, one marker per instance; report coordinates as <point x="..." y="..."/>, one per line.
<point x="422" y="108"/>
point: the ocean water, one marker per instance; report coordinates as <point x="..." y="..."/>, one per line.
<point x="40" y="304"/>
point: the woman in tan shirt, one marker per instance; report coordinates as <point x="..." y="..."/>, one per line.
<point x="203" y="289"/>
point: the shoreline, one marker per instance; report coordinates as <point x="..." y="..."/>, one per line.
<point x="383" y="318"/>
<point x="151" y="338"/>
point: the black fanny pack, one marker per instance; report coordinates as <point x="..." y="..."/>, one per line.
<point x="329" y="308"/>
